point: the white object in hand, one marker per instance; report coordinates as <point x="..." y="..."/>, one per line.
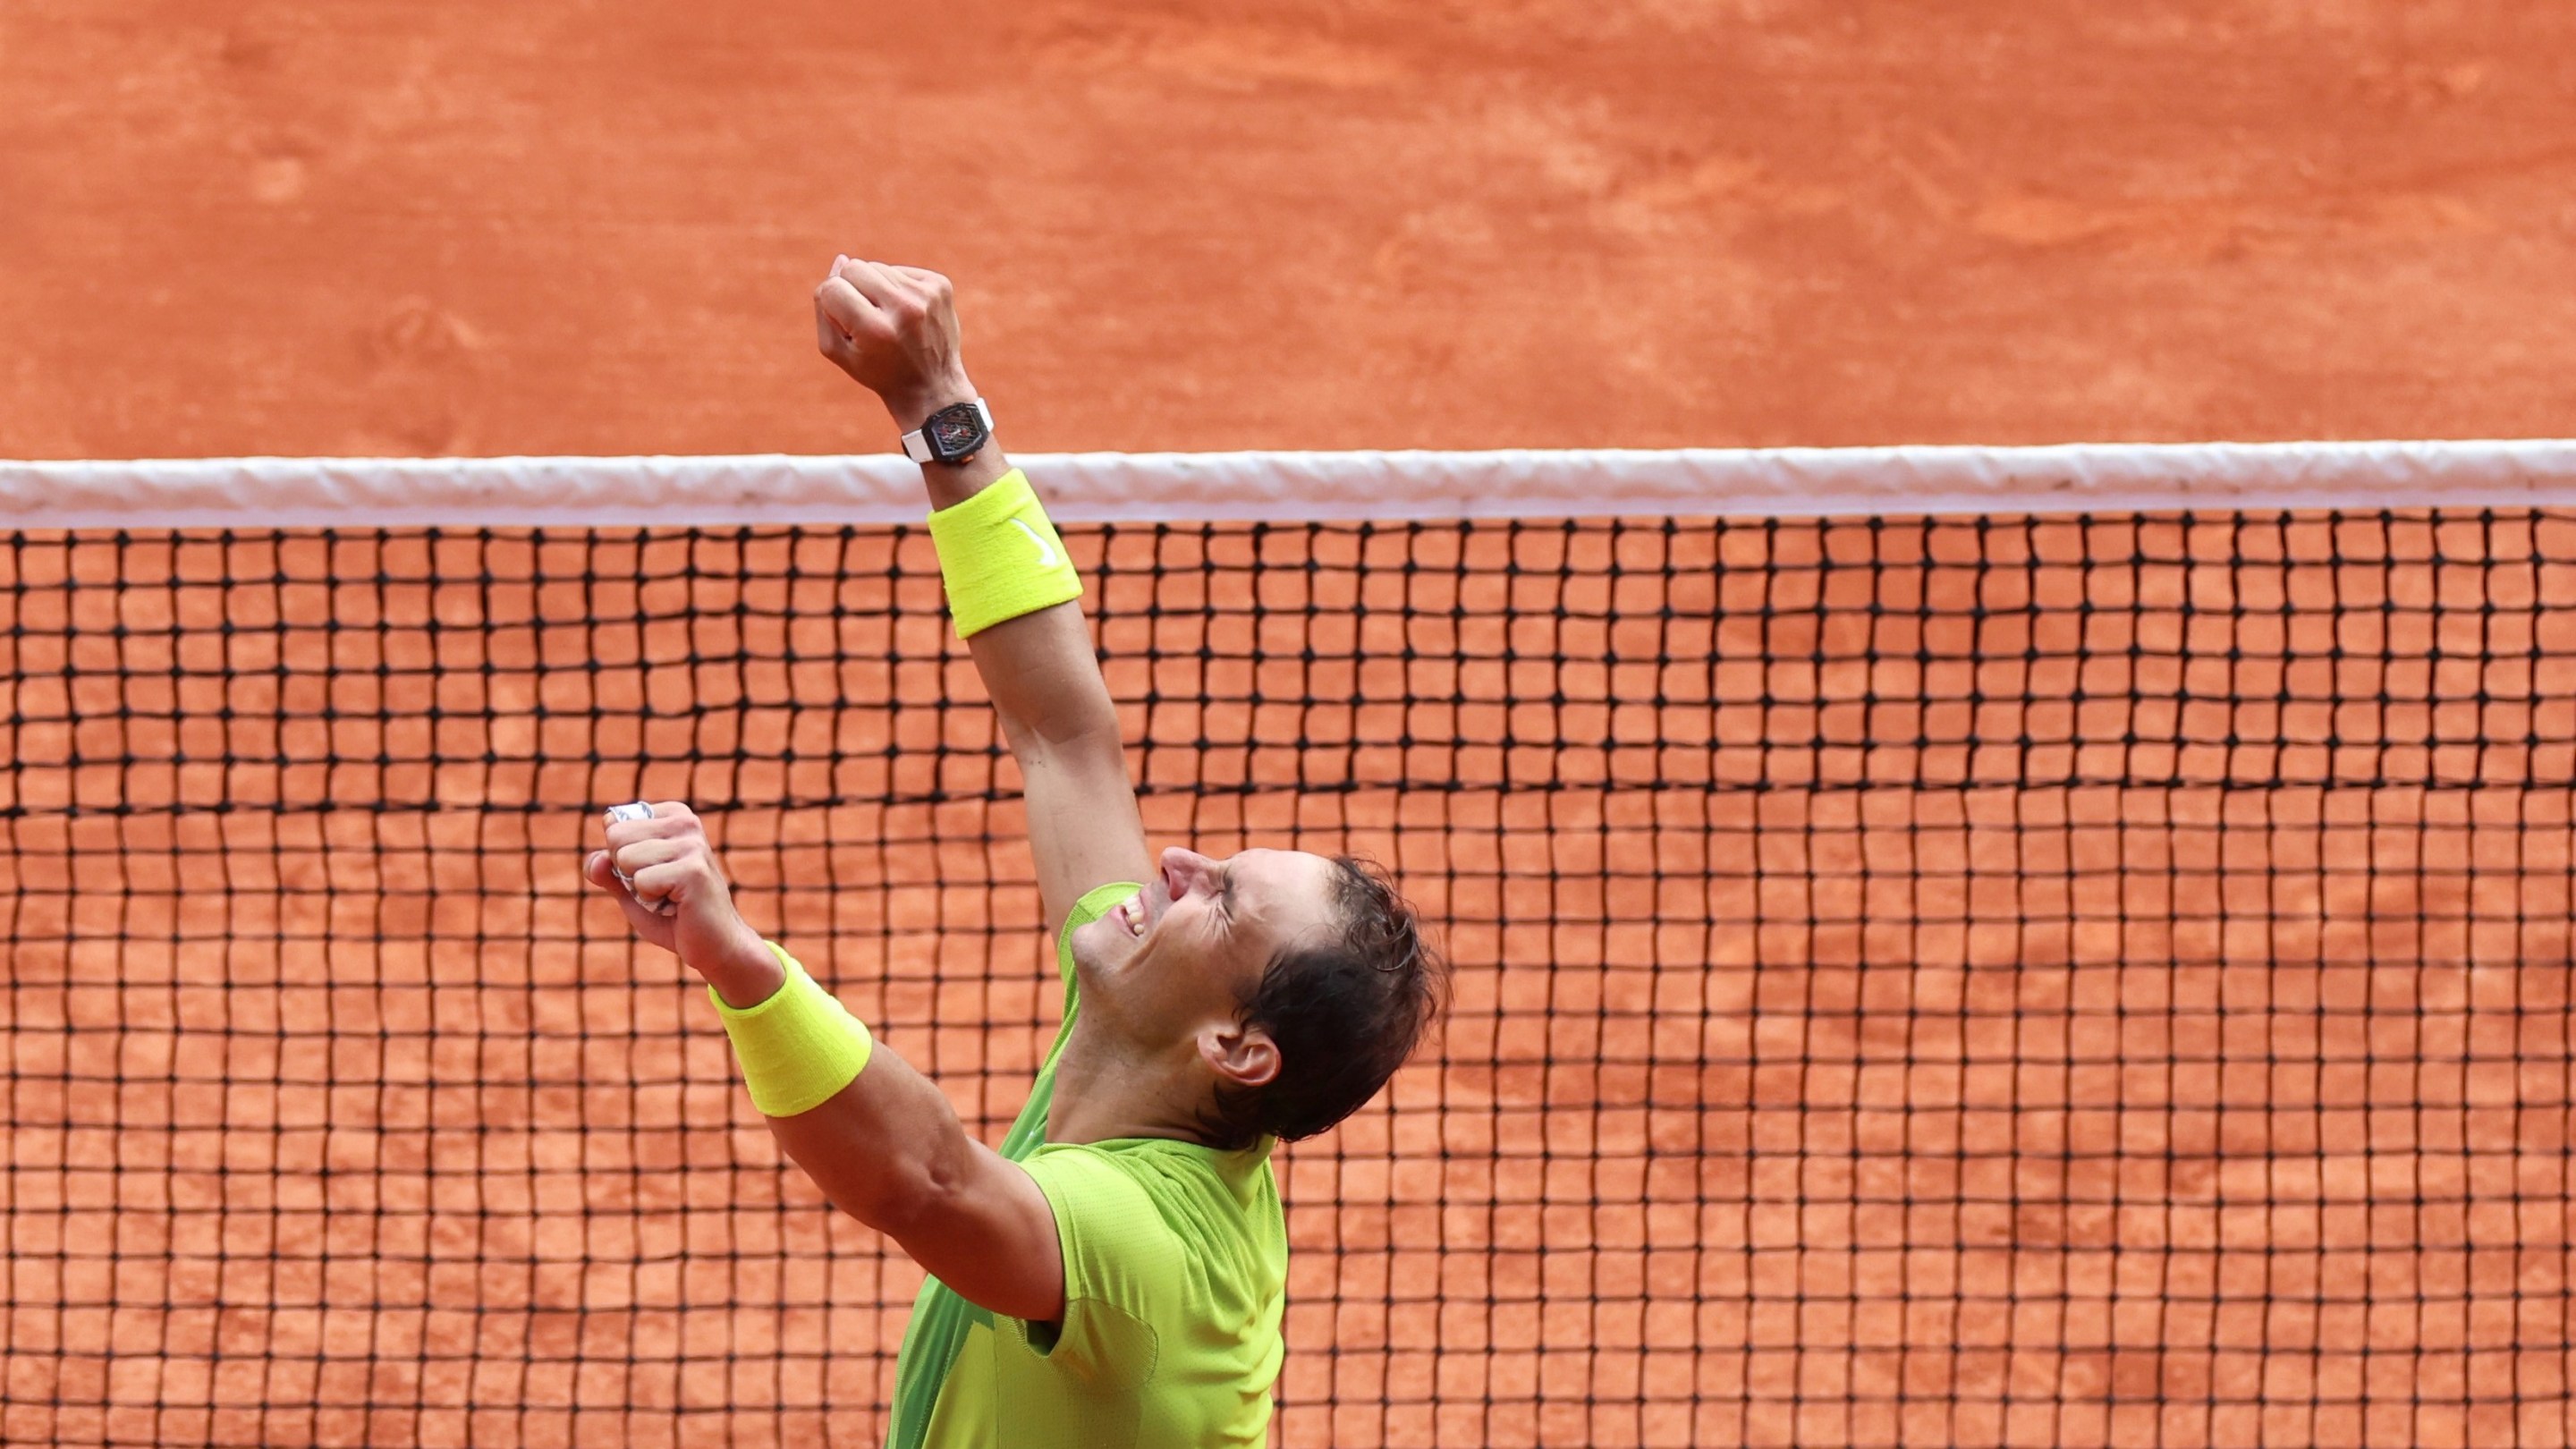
<point x="639" y="810"/>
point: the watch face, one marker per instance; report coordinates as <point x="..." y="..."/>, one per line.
<point x="952" y="431"/>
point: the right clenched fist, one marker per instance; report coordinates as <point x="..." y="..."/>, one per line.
<point x="894" y="329"/>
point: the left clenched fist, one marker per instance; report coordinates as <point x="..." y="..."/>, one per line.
<point x="678" y="899"/>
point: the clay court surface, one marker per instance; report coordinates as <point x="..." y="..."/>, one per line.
<point x="1918" y="984"/>
<point x="486" y="226"/>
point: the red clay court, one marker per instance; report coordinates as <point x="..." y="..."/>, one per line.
<point x="349" y="228"/>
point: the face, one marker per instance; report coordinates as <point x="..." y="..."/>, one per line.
<point x="1177" y="962"/>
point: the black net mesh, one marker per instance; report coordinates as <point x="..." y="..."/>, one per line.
<point x="1997" y="981"/>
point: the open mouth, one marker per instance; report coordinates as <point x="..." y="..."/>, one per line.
<point x="1139" y="912"/>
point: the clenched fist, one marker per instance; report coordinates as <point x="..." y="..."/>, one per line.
<point x="895" y="330"/>
<point x="672" y="865"/>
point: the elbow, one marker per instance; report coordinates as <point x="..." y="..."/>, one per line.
<point x="1093" y="723"/>
<point x="1068" y="734"/>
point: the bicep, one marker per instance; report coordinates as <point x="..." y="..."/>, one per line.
<point x="991" y="1237"/>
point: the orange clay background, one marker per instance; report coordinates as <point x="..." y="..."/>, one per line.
<point x="1816" y="1077"/>
<point x="497" y="226"/>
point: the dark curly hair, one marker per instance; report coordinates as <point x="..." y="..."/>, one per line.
<point x="1344" y="1014"/>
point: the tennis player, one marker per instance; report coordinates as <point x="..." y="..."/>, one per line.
<point x="1113" y="1276"/>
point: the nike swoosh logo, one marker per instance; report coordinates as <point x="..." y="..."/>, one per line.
<point x="1046" y="551"/>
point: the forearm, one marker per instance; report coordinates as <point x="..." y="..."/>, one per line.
<point x="1034" y="652"/>
<point x="1045" y="681"/>
<point x="1039" y="667"/>
<point x="884" y="1148"/>
<point x="871" y="1131"/>
<point x="881" y="1142"/>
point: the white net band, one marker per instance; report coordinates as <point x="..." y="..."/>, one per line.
<point x="1289" y="486"/>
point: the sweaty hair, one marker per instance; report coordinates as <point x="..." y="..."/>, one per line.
<point x="1344" y="1013"/>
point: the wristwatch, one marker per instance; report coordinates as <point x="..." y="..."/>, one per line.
<point x="953" y="434"/>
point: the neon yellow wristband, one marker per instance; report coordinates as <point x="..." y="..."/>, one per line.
<point x="1000" y="557"/>
<point x="797" y="1048"/>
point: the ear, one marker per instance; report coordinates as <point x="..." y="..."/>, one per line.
<point x="1240" y="1055"/>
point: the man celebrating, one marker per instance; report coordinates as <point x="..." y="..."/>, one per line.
<point x="1114" y="1275"/>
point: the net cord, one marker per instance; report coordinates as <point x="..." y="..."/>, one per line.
<point x="1294" y="486"/>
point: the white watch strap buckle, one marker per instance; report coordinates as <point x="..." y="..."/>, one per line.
<point x="917" y="447"/>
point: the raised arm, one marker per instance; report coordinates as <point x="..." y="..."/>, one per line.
<point x="894" y="330"/>
<point x="875" y="1135"/>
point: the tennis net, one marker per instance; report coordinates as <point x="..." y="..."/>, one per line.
<point x="1954" y="947"/>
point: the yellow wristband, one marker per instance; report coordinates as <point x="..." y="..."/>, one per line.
<point x="797" y="1048"/>
<point x="999" y="556"/>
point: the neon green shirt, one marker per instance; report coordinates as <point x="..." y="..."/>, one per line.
<point x="1175" y="1274"/>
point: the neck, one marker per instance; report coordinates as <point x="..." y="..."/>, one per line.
<point x="1104" y="1092"/>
